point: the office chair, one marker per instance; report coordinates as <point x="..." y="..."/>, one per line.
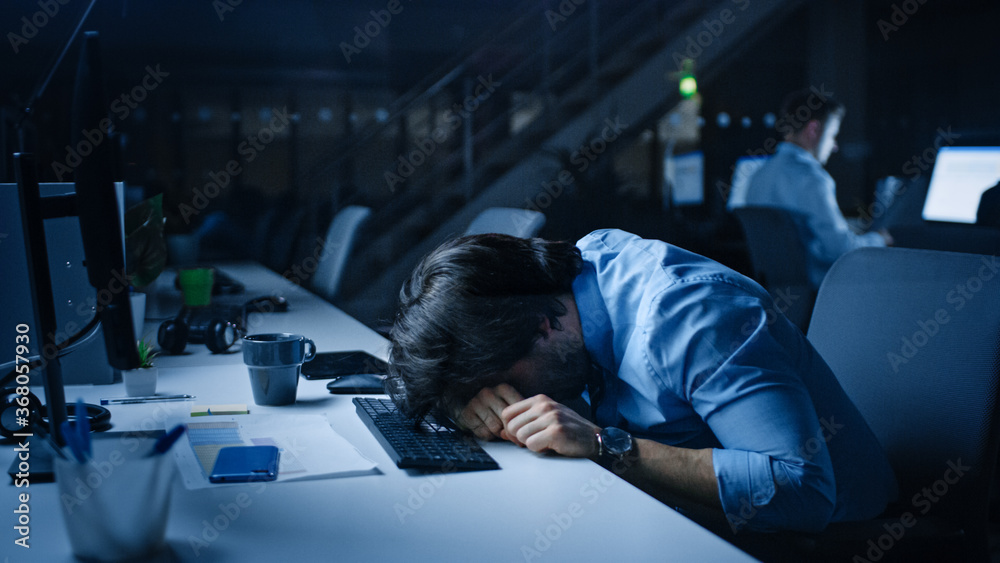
<point x="341" y="238"/>
<point x="279" y="241"/>
<point x="912" y="336"/>
<point x="779" y="258"/>
<point x="507" y="220"/>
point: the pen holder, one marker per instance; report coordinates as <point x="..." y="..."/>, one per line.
<point x="116" y="504"/>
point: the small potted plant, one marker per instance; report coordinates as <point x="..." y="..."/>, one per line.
<point x="141" y="382"/>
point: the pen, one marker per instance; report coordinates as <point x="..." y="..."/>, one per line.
<point x="82" y="423"/>
<point x="163" y="443"/>
<point x="149" y="399"/>
<point x="72" y="441"/>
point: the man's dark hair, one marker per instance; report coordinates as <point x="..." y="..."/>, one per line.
<point x="472" y="308"/>
<point x="802" y="106"/>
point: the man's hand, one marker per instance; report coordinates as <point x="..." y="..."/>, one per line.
<point x="541" y="424"/>
<point x="481" y="415"/>
<point x="889" y="241"/>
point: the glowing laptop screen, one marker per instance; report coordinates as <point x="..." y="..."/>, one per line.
<point x="960" y="176"/>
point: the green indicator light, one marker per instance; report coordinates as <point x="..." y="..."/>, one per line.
<point x="688" y="86"/>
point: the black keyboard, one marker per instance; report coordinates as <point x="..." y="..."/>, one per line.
<point x="427" y="445"/>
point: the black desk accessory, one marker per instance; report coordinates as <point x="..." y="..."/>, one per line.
<point x="424" y="444"/>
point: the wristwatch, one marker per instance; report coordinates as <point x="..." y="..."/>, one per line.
<point x="614" y="443"/>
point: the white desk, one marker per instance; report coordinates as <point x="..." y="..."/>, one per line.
<point x="535" y="508"/>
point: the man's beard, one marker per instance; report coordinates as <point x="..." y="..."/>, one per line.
<point x="564" y="367"/>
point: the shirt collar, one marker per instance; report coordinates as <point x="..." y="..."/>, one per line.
<point x="795" y="151"/>
<point x="594" y="319"/>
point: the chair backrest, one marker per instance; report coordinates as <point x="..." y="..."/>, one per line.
<point x="779" y="257"/>
<point x="774" y="239"/>
<point x="507" y="220"/>
<point x="341" y="238"/>
<point x="913" y="336"/>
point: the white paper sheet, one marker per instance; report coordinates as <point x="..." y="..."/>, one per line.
<point x="310" y="449"/>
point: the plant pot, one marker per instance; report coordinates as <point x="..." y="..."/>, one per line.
<point x="140" y="382"/>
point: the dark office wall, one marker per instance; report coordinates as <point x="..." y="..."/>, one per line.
<point x="906" y="68"/>
<point x="938" y="70"/>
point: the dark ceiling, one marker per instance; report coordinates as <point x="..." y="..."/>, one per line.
<point x="249" y="40"/>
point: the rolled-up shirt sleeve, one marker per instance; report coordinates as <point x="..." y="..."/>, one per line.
<point x="773" y="470"/>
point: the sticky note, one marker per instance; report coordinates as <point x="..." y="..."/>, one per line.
<point x="208" y="410"/>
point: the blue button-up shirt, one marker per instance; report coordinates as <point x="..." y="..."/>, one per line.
<point x="694" y="355"/>
<point x="793" y="179"/>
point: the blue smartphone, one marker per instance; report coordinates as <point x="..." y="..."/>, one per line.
<point x="243" y="464"/>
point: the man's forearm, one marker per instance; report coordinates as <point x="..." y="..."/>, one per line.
<point x="671" y="474"/>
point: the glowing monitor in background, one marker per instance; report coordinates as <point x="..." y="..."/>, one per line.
<point x="959" y="178"/>
<point x="683" y="176"/>
<point x="744" y="168"/>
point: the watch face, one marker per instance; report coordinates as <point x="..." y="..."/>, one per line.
<point x="616" y="441"/>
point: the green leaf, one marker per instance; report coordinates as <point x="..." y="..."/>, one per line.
<point x="145" y="245"/>
<point x="146" y="354"/>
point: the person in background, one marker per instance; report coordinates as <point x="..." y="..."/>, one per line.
<point x="795" y="179"/>
<point x="988" y="212"/>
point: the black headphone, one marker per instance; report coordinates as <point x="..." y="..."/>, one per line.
<point x="216" y="333"/>
<point x="11" y="417"/>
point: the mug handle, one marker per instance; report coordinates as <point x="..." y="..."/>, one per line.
<point x="312" y="349"/>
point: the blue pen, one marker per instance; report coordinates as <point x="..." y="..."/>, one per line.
<point x="72" y="441"/>
<point x="82" y="423"/>
<point x="165" y="442"/>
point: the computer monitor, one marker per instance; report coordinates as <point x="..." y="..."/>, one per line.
<point x="959" y="178"/>
<point x="683" y="176"/>
<point x="96" y="205"/>
<point x="98" y="209"/>
<point x="743" y="170"/>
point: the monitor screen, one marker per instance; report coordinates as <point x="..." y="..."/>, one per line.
<point x="684" y="178"/>
<point x="959" y="178"/>
<point x="744" y="168"/>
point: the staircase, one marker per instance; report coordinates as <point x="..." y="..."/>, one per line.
<point x="552" y="79"/>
